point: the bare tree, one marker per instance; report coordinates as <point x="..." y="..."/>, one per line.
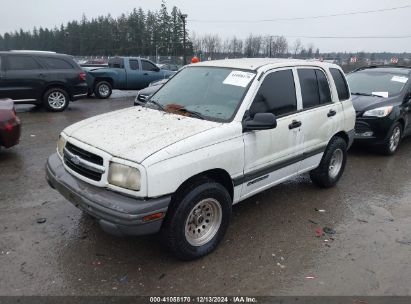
<point x="211" y="44"/>
<point x="297" y="47"/>
<point x="252" y="46"/>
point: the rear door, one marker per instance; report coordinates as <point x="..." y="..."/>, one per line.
<point x="321" y="117"/>
<point x="24" y="77"/>
<point x="135" y="79"/>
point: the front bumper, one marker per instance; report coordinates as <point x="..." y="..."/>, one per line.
<point x="372" y="130"/>
<point x="117" y="214"/>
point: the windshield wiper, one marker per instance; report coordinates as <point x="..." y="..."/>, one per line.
<point x="365" y="94"/>
<point x="192" y="113"/>
<point x="158" y="105"/>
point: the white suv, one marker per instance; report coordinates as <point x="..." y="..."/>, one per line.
<point x="217" y="133"/>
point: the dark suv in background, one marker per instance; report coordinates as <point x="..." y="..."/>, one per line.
<point x="42" y="78"/>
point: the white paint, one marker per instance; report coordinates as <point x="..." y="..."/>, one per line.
<point x="168" y="149"/>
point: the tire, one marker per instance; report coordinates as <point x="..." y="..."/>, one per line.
<point x="332" y="165"/>
<point x="103" y="89"/>
<point x="392" y="143"/>
<point x="205" y="207"/>
<point x="56" y="100"/>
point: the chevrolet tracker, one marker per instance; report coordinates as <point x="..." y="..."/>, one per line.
<point x="217" y="133"/>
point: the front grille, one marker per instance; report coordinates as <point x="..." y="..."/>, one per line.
<point x="142" y="98"/>
<point x="77" y="159"/>
<point x="98" y="160"/>
<point x="362" y="127"/>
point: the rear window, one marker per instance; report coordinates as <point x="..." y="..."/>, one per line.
<point x="21" y="63"/>
<point x="57" y="63"/>
<point x="341" y="84"/>
<point x="309" y="87"/>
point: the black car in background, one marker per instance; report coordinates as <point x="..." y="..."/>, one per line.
<point x="42" y="78"/>
<point x="143" y="94"/>
<point x="382" y="100"/>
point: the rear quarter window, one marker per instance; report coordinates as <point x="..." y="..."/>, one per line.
<point x="57" y="63"/>
<point x="341" y="84"/>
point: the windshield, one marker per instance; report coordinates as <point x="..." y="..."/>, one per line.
<point x="376" y="83"/>
<point x="213" y="93"/>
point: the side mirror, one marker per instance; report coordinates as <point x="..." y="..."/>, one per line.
<point x="407" y="98"/>
<point x="261" y="121"/>
<point x="156" y="69"/>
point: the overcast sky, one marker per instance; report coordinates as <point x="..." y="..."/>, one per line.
<point x="47" y="13"/>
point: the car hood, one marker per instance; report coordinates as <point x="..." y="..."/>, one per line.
<point x="136" y="133"/>
<point x="365" y="103"/>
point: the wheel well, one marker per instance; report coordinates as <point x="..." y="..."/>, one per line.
<point x="109" y="80"/>
<point x="402" y="122"/>
<point x="56" y="85"/>
<point x="344" y="136"/>
<point x="218" y="175"/>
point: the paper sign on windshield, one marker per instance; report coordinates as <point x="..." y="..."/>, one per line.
<point x="401" y="79"/>
<point x="239" y="78"/>
<point x="382" y="94"/>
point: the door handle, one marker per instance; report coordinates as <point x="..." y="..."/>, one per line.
<point x="331" y="113"/>
<point x="145" y="74"/>
<point x="42" y="75"/>
<point x="294" y="124"/>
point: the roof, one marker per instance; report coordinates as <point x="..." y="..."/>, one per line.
<point x="256" y="63"/>
<point x="39" y="53"/>
<point x="387" y="69"/>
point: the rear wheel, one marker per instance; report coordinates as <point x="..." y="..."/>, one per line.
<point x="56" y="100"/>
<point x="332" y="164"/>
<point x="103" y="89"/>
<point x="393" y="141"/>
<point x="197" y="222"/>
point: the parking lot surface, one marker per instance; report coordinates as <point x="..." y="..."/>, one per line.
<point x="271" y="247"/>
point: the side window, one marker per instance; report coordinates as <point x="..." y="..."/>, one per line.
<point x="57" y="63"/>
<point x="341" y="84"/>
<point x="309" y="87"/>
<point x="148" y="66"/>
<point x="16" y="63"/>
<point x="323" y="87"/>
<point x="116" y="63"/>
<point x="276" y="94"/>
<point x="134" y="64"/>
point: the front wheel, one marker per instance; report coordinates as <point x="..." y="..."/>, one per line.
<point x="56" y="100"/>
<point x="103" y="89"/>
<point x="390" y="146"/>
<point x="196" y="223"/>
<point x="332" y="164"/>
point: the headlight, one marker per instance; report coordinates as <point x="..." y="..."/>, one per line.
<point x="60" y="145"/>
<point x="379" y="112"/>
<point x="124" y="176"/>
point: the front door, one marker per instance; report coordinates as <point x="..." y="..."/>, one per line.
<point x="150" y="72"/>
<point x="272" y="156"/>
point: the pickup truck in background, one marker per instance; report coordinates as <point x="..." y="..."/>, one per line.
<point x="123" y="73"/>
